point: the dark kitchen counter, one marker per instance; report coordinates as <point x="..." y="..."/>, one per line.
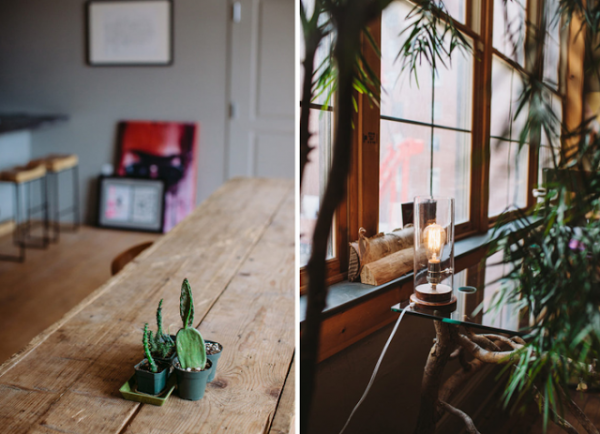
<point x="22" y="121"/>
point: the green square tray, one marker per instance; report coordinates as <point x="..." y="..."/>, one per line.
<point x="129" y="392"/>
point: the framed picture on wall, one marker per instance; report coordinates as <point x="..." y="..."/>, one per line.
<point x="130" y="203"/>
<point x="138" y="32"/>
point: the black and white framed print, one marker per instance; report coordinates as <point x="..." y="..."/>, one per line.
<point x="138" y="32"/>
<point x="131" y="203"/>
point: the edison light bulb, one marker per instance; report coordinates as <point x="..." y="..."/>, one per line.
<point x="435" y="237"/>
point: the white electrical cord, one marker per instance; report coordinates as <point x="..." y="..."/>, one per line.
<point x="372" y="380"/>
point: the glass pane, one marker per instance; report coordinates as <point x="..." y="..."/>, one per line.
<point x="321" y="54"/>
<point x="508" y="176"/>
<point x="501" y="98"/>
<point x="507" y="317"/>
<point x="452" y="169"/>
<point x="518" y="119"/>
<point x="408" y="97"/>
<point x="507" y="87"/>
<point x="554" y="139"/>
<point x="509" y="28"/>
<point x="314" y="179"/>
<point x="552" y="43"/>
<point x="546" y="161"/>
<point x="457" y="9"/>
<point x="404" y="169"/>
<point x="454" y="92"/>
<point x="401" y="91"/>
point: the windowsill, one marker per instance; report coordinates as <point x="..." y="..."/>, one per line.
<point x="344" y="295"/>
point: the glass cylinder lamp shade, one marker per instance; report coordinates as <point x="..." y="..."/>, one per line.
<point x="434" y="251"/>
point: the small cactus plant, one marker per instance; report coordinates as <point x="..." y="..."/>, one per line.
<point x="161" y="344"/>
<point x="147" y="352"/>
<point x="191" y="349"/>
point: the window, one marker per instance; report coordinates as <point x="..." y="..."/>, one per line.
<point x="508" y="163"/>
<point x="317" y="168"/>
<point x="453" y="133"/>
<point x="427" y="149"/>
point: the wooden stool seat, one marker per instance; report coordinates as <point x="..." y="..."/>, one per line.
<point x="56" y="162"/>
<point x="127" y="256"/>
<point x="23" y="174"/>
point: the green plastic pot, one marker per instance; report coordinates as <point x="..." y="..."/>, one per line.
<point x="214" y="358"/>
<point x="191" y="384"/>
<point x="150" y="382"/>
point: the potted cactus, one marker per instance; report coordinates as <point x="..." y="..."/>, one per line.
<point x="191" y="364"/>
<point x="151" y="376"/>
<point x="162" y="346"/>
<point x="213" y="352"/>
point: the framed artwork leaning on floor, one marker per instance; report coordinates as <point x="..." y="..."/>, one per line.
<point x="130" y="203"/>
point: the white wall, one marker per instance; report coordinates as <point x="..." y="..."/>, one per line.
<point x="43" y="69"/>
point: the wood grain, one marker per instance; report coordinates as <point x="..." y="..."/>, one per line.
<point x="284" y="417"/>
<point x="37" y="293"/>
<point x="388" y="268"/>
<point x="237" y="251"/>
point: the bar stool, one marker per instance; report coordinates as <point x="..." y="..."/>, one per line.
<point x="55" y="165"/>
<point x="23" y="178"/>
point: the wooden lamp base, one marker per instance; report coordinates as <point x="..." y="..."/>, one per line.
<point x="447" y="306"/>
<point x="440" y="298"/>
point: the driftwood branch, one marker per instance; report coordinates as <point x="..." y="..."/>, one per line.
<point x="469" y="425"/>
<point x="458" y="379"/>
<point x="429" y="412"/>
<point x="514" y="345"/>
<point x="556" y="418"/>
<point x="581" y="417"/>
<point x="494" y="357"/>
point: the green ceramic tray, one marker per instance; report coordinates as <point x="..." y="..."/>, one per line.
<point x="129" y="392"/>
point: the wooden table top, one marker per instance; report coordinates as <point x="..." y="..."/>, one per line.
<point x="237" y="250"/>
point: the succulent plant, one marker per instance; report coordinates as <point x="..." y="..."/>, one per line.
<point x="147" y="352"/>
<point x="191" y="349"/>
<point x="161" y="344"/>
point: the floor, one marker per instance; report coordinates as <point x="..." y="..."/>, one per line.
<point x="497" y="421"/>
<point x="38" y="292"/>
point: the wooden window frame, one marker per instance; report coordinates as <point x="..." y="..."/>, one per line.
<point x="361" y="206"/>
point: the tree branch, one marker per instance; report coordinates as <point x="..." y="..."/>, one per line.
<point x="469" y="425"/>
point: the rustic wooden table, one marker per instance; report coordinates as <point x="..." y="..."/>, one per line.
<point x="237" y="250"/>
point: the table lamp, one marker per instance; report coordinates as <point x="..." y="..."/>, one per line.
<point x="434" y="252"/>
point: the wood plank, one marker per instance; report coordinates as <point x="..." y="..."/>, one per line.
<point x="98" y="342"/>
<point x="284" y="415"/>
<point x="37" y="293"/>
<point x="254" y="320"/>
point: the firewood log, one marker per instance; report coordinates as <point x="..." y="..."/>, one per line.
<point x="388" y="268"/>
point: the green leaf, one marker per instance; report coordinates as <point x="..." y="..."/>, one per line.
<point x="186" y="305"/>
<point x="191" y="349"/>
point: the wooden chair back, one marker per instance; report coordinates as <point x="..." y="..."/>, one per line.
<point x="127" y="256"/>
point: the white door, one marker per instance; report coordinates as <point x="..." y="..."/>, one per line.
<point x="261" y="89"/>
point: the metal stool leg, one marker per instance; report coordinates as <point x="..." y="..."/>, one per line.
<point x="17" y="233"/>
<point x="76" y="217"/>
<point x="56" y="208"/>
<point x="38" y="242"/>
